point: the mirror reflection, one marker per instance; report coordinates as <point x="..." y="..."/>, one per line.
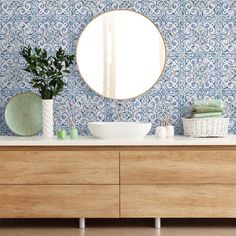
<point x="121" y="54"/>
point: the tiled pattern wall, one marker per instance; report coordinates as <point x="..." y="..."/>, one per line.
<point x="201" y="42"/>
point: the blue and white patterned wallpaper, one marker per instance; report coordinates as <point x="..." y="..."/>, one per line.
<point x="201" y="42"/>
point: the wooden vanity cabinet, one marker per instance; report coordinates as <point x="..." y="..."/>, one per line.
<point x="59" y="201"/>
<point x="55" y="167"/>
<point x="179" y="182"/>
<point x="58" y="182"/>
<point x="112" y="182"/>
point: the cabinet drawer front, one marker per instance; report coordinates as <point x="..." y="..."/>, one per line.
<point x="65" y="201"/>
<point x="157" y="167"/>
<point x="178" y="201"/>
<point x="59" y="167"/>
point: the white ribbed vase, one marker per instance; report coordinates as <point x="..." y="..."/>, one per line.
<point x="47" y="106"/>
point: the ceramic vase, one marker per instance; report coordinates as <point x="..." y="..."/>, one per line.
<point x="47" y="106"/>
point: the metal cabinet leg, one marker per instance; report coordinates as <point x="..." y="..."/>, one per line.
<point x="81" y="223"/>
<point x="157" y="223"/>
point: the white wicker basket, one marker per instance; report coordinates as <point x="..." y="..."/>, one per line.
<point x="205" y="127"/>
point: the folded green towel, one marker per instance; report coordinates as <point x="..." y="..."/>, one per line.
<point x="210" y="103"/>
<point x="206" y="109"/>
<point x="209" y="114"/>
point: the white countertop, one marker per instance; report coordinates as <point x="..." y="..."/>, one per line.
<point x="91" y="141"/>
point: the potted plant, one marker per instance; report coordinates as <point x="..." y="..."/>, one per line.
<point x="47" y="72"/>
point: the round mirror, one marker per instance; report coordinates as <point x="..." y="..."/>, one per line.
<point x="121" y="54"/>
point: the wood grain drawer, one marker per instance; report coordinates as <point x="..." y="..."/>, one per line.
<point x="180" y="166"/>
<point x="59" y="167"/>
<point x="65" y="201"/>
<point x="181" y="201"/>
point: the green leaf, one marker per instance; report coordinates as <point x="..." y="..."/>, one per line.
<point x="53" y="83"/>
<point x="58" y="65"/>
<point x="71" y="57"/>
<point x="35" y="86"/>
<point x="27" y="70"/>
<point x="66" y="71"/>
<point x="38" y="50"/>
<point x="44" y="54"/>
<point x="67" y="64"/>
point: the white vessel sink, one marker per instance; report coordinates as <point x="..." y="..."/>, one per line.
<point x="119" y="130"/>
